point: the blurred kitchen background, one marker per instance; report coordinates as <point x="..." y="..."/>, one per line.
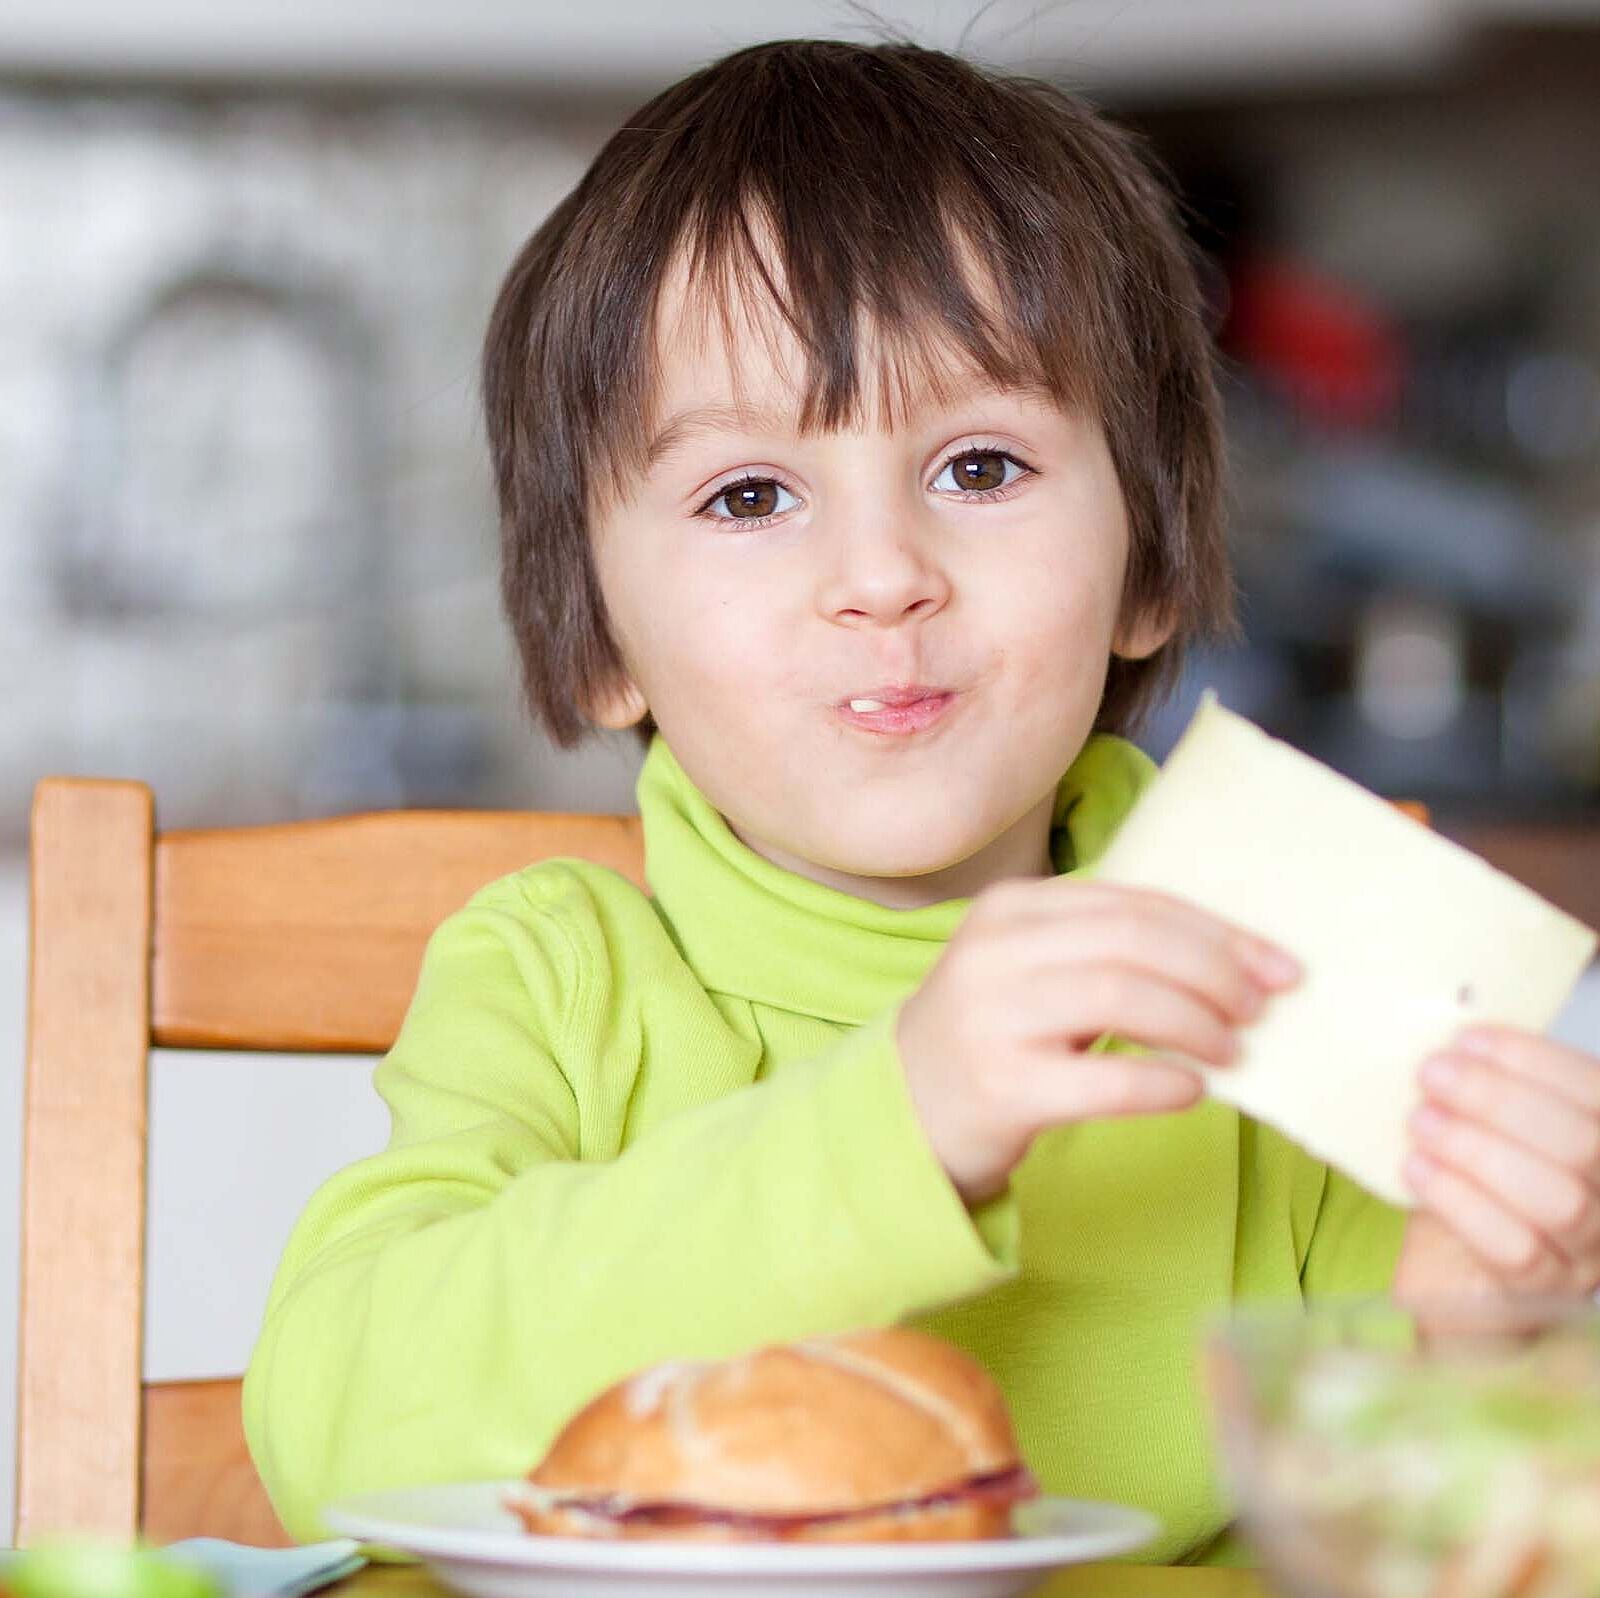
<point x="247" y="549"/>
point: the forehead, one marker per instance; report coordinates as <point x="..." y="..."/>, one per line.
<point x="726" y="355"/>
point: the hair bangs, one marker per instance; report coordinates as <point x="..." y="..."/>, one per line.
<point x="882" y="332"/>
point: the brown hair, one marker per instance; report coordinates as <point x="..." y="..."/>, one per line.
<point x="876" y="171"/>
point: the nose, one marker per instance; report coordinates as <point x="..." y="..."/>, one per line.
<point x="883" y="570"/>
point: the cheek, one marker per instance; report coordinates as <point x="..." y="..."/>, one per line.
<point x="1058" y="620"/>
<point x="711" y="642"/>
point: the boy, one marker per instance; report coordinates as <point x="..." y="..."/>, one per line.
<point x="856" y="441"/>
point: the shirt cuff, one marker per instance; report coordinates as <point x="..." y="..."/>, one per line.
<point x="918" y="1224"/>
<point x="999" y="1224"/>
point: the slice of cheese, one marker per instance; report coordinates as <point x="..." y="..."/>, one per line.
<point x="1404" y="936"/>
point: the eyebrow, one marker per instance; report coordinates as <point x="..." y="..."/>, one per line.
<point x="687" y="425"/>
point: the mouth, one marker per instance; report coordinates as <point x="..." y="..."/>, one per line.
<point x="896" y="709"/>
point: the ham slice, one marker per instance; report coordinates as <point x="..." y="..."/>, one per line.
<point x="998" y="1487"/>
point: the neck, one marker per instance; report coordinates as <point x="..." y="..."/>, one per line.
<point x="1022" y="850"/>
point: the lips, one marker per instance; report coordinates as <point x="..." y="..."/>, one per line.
<point x="893" y="695"/>
<point x="896" y="708"/>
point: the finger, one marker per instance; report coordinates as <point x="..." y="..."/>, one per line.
<point x="1507" y="1245"/>
<point x="1109" y="1086"/>
<point x="1524" y="1110"/>
<point x="1569" y="1073"/>
<point x="1564" y="1208"/>
<point x="1270" y="963"/>
<point x="1089" y="1000"/>
<point x="1161" y="947"/>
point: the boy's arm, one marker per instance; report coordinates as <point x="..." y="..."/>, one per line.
<point x="444" y="1306"/>
<point x="1355" y="1242"/>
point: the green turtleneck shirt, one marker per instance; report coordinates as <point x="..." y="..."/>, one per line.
<point x="629" y="1128"/>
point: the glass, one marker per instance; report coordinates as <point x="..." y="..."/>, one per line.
<point x="1447" y="1451"/>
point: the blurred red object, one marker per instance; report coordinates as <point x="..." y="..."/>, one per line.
<point x="1333" y="356"/>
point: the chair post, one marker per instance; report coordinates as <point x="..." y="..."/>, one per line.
<point x="83" y="1199"/>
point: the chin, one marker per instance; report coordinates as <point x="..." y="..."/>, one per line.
<point x="893" y="858"/>
<point x="913" y="846"/>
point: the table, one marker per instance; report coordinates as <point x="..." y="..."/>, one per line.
<point x="1077" y="1581"/>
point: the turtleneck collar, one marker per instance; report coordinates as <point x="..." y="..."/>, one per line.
<point x="755" y="931"/>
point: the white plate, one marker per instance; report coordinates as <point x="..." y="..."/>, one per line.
<point x="477" y="1546"/>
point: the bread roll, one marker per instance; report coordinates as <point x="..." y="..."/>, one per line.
<point x="878" y="1435"/>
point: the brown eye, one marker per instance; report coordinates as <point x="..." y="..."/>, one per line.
<point x="979" y="470"/>
<point x="752" y="499"/>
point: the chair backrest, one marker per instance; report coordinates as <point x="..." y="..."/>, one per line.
<point x="305" y="936"/>
<point x="298" y="937"/>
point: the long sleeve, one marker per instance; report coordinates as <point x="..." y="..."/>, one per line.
<point x="444" y="1306"/>
<point x="1355" y="1244"/>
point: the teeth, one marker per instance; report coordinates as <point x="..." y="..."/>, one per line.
<point x="864" y="705"/>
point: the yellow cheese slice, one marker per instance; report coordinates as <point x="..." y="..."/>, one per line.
<point x="1404" y="936"/>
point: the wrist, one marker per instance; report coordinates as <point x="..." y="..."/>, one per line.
<point x="1435" y="1264"/>
<point x="975" y="1178"/>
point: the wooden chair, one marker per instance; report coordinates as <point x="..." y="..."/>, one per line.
<point x="297" y="937"/>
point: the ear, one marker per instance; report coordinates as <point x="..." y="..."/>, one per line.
<point x="619" y="704"/>
<point x="1141" y="635"/>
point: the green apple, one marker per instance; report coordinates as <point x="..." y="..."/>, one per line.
<point x="102" y="1570"/>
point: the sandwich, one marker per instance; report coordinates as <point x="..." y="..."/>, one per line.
<point x="871" y="1436"/>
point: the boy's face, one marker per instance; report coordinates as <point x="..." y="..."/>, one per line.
<point x="758" y="582"/>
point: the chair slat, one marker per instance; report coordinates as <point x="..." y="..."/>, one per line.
<point x="84" y="1158"/>
<point x="196" y="1476"/>
<point x="308" y="936"/>
<point x="1558" y="859"/>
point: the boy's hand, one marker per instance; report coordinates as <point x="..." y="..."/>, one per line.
<point x="993" y="1042"/>
<point x="1505" y="1164"/>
